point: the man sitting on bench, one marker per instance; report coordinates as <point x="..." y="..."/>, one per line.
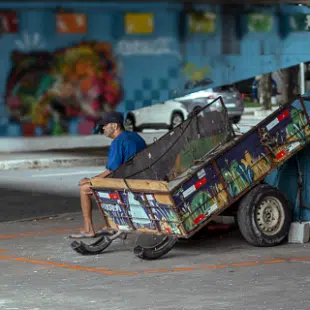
<point x="124" y="145"/>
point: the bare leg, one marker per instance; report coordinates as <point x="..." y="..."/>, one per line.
<point x="86" y="206"/>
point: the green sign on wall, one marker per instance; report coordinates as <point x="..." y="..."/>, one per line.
<point x="299" y="22"/>
<point x="260" y="22"/>
<point x="204" y="22"/>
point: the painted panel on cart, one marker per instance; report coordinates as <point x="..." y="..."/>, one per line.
<point x="244" y="163"/>
<point x="142" y="210"/>
<point x="198" y="198"/>
<point x="288" y="130"/>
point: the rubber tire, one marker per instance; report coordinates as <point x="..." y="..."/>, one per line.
<point x="236" y="119"/>
<point x="91" y="249"/>
<point x="246" y="216"/>
<point x="155" y="251"/>
<point x="173" y="115"/>
<point x="197" y="109"/>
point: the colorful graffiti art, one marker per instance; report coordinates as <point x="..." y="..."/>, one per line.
<point x="54" y="91"/>
<point x="200" y="197"/>
<point x="296" y="133"/>
<point x="145" y="212"/>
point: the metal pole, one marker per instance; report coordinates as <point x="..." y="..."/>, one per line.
<point x="302" y="78"/>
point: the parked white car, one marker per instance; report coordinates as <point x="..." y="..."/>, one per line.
<point x="168" y="114"/>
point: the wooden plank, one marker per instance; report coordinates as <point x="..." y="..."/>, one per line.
<point x="163" y="199"/>
<point x="135" y="185"/>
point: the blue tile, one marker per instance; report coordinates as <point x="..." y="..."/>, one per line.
<point x="147" y="103"/>
<point x="130" y="105"/>
<point x="163" y="84"/>
<point x="3" y="130"/>
<point x="173" y="73"/>
<point x="138" y="94"/>
<point x="147" y="84"/>
<point x="155" y="94"/>
<point x="14" y="130"/>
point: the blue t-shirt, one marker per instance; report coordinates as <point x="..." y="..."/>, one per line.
<point x="123" y="147"/>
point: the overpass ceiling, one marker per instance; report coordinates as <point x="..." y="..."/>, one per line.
<point x="231" y="2"/>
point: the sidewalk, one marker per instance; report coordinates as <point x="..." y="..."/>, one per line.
<point x="41" y="160"/>
<point x="259" y="112"/>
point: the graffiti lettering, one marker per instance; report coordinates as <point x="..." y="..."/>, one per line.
<point x="159" y="46"/>
<point x="30" y="42"/>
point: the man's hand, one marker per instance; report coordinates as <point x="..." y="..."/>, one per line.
<point x="84" y="181"/>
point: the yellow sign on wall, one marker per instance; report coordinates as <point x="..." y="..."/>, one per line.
<point x="204" y="22"/>
<point x="139" y="23"/>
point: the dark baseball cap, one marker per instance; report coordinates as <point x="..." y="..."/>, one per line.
<point x="110" y="117"/>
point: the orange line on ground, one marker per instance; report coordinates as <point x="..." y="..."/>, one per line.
<point x="274" y="261"/>
<point x="42" y="262"/>
<point x="8" y="237"/>
<point x="183" y="269"/>
<point x="245" y="264"/>
<point x="156" y="271"/>
<point x="3" y="251"/>
<point x="213" y="266"/>
<point x="299" y="259"/>
<point x="124" y="272"/>
<point x="38" y="233"/>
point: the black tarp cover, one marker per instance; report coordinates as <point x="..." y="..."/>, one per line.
<point x="177" y="150"/>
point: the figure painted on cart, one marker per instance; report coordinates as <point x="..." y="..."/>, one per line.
<point x="124" y="145"/>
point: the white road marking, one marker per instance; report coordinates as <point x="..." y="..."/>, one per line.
<point x="65" y="173"/>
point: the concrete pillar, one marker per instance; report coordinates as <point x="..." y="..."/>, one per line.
<point x="302" y="78"/>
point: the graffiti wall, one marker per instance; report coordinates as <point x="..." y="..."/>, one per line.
<point x="62" y="92"/>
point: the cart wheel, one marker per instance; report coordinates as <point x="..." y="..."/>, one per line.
<point x="157" y="250"/>
<point x="93" y="248"/>
<point x="264" y="216"/>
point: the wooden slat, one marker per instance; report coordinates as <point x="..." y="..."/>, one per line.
<point x="163" y="199"/>
<point x="138" y="185"/>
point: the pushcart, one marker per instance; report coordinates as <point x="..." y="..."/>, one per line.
<point x="197" y="171"/>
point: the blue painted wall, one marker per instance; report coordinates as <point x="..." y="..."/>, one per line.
<point x="150" y="78"/>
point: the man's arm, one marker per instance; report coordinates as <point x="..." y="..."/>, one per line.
<point x="103" y="174"/>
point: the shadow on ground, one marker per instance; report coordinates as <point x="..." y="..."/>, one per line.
<point x="17" y="204"/>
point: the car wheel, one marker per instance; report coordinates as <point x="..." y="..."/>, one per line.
<point x="130" y="123"/>
<point x="236" y="119"/>
<point x="264" y="216"/>
<point x="197" y="110"/>
<point x="177" y="119"/>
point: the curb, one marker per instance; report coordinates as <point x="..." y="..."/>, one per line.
<point x="258" y="111"/>
<point x="52" y="163"/>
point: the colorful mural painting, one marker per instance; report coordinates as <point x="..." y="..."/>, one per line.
<point x="52" y="91"/>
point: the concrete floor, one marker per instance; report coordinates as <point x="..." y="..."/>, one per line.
<point x="39" y="270"/>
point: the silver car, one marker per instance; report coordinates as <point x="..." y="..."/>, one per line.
<point x="168" y="114"/>
<point x="231" y="96"/>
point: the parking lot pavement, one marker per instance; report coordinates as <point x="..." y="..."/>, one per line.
<point x="39" y="270"/>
